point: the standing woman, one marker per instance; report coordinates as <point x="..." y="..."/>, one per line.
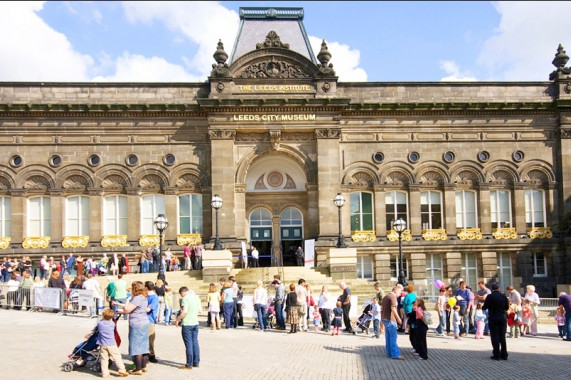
<point x="292" y="309"/>
<point x="534" y="301"/>
<point x="260" y="302"/>
<point x="420" y="330"/>
<point x="325" y="306"/>
<point x="228" y="303"/>
<point x="139" y="323"/>
<point x="407" y="304"/>
<point x="442" y="313"/>
<point x="79" y="262"/>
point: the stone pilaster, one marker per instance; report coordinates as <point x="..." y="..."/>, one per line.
<point x="222" y="160"/>
<point x="453" y="266"/>
<point x="240" y="211"/>
<point x="484" y="210"/>
<point x="58" y="215"/>
<point x="489" y="267"/>
<point x="311" y="227"/>
<point x="380" y="212"/>
<point x="19" y="213"/>
<point x="134" y="210"/>
<point x="328" y="178"/>
<point x="414" y="224"/>
<point x="519" y="210"/>
<point x="95" y="217"/>
<point x="383" y="269"/>
<point x="450" y="210"/>
<point x="418" y="271"/>
<point x="171" y="206"/>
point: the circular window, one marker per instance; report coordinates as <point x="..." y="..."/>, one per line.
<point x="169" y="159"/>
<point x="275" y="179"/>
<point x="94" y="160"/>
<point x="132" y="159"/>
<point x="378" y="157"/>
<point x="414" y="156"/>
<point x="483" y="156"/>
<point x="518" y="156"/>
<point x="448" y="157"/>
<point x="16" y="161"/>
<point x="55" y="160"/>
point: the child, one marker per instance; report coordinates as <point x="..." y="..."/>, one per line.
<point x="456" y="321"/>
<point x="513" y="320"/>
<point x="214" y="299"/>
<point x="480" y="319"/>
<point x="560" y="318"/>
<point x="316" y="317"/>
<point x="168" y="305"/>
<point x="108" y="345"/>
<point x="337" y="315"/>
<point x="420" y="330"/>
<point x="526" y="316"/>
<point x="375" y="313"/>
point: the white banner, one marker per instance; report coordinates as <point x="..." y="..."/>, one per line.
<point x="248" y="307"/>
<point x="310" y="253"/>
<point x="85" y="297"/>
<point x="47" y="297"/>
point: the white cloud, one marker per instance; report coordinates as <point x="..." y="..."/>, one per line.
<point x="526" y="40"/>
<point x="33" y="51"/>
<point x="344" y="59"/>
<point x="454" y="73"/>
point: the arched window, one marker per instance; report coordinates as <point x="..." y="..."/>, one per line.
<point x="431" y="210"/>
<point x="77" y="216"/>
<point x="39" y="216"/>
<point x="115" y="215"/>
<point x="361" y="211"/>
<point x="501" y="208"/>
<point x="534" y="208"/>
<point x="291" y="222"/>
<point x="260" y="224"/>
<point x="151" y="206"/>
<point x="396" y="204"/>
<point x="466" y="210"/>
<point x="190" y="214"/>
<point x="5" y="217"/>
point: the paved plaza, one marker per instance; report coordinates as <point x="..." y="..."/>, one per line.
<point x="37" y="344"/>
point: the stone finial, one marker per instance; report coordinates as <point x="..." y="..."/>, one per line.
<point x="272" y="40"/>
<point x="220" y="68"/>
<point x="324" y="56"/>
<point x="560" y="60"/>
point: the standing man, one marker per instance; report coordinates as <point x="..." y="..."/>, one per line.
<point x="380" y="294"/>
<point x="497" y="306"/>
<point x="45" y="268"/>
<point x="255" y="257"/>
<point x="513" y="296"/>
<point x="156" y="258"/>
<point x="69" y="263"/>
<point x="188" y="318"/>
<point x="120" y="286"/>
<point x="480" y="297"/>
<point x="346" y="305"/>
<point x="187" y="263"/>
<point x="390" y="318"/>
<point x="299" y="255"/>
<point x="93" y="285"/>
<point x="152" y="314"/>
<point x="279" y="302"/>
<point x="565" y="300"/>
<point x="464" y="298"/>
<point x="198" y="255"/>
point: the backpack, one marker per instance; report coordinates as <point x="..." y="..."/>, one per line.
<point x="427" y="318"/>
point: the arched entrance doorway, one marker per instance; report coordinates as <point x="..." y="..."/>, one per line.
<point x="291" y="234"/>
<point x="261" y="234"/>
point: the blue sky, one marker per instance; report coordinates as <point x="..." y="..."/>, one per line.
<point x="373" y="41"/>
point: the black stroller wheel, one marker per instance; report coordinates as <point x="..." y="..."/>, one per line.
<point x="96" y="367"/>
<point x="67" y="367"/>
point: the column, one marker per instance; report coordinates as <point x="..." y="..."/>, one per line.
<point x="414" y="224"/>
<point x="450" y="209"/>
<point x="58" y="215"/>
<point x="134" y="212"/>
<point x="519" y="210"/>
<point x="380" y="212"/>
<point x="484" y="210"/>
<point x="222" y="160"/>
<point x="95" y="217"/>
<point x="311" y="223"/>
<point x="171" y="205"/>
<point x="240" y="211"/>
<point x="18" y="198"/>
<point x="276" y="239"/>
<point x="329" y="181"/>
<point x="453" y="266"/>
<point x="489" y="267"/>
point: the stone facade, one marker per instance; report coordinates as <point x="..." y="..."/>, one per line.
<point x="276" y="136"/>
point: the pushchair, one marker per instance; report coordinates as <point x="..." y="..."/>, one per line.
<point x="364" y="320"/>
<point x="84" y="353"/>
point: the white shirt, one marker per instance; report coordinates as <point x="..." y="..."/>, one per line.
<point x="91" y="284"/>
<point x="255" y="254"/>
<point x="260" y="296"/>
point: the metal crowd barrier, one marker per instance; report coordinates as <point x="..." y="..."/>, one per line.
<point x="14" y="296"/>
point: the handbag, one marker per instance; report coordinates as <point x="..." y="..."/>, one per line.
<point x="427" y="318"/>
<point x="256" y="307"/>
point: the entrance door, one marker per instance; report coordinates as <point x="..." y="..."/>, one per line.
<point x="291" y="234"/>
<point x="261" y="235"/>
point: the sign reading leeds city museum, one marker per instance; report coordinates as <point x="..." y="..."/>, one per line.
<point x="276" y="88"/>
<point x="270" y="117"/>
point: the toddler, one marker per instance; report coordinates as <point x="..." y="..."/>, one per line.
<point x="526" y="316"/>
<point x="514" y="321"/>
<point x="108" y="345"/>
<point x="456" y="321"/>
<point x="316" y="317"/>
<point x="375" y="313"/>
<point x="480" y="319"/>
<point x="337" y="315"/>
<point x="560" y="318"/>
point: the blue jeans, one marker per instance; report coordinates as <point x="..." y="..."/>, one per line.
<point x="376" y="327"/>
<point x="486" y="326"/>
<point x="168" y="312"/>
<point x="190" y="339"/>
<point x="228" y="309"/>
<point x="262" y="316"/>
<point x="442" y="323"/>
<point x="279" y="307"/>
<point x="391" y="339"/>
<point x="567" y="329"/>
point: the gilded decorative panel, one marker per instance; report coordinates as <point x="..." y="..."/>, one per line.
<point x="392" y="235"/>
<point x="5" y="242"/>
<point x="192" y="239"/>
<point x="75" y="241"/>
<point x="504" y="233"/>
<point x="540" y="233"/>
<point x="469" y="233"/>
<point x="148" y="240"/>
<point x="114" y="241"/>
<point x="434" y="234"/>
<point x="36" y="242"/>
<point x="363" y="236"/>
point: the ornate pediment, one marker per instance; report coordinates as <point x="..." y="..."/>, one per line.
<point x="151" y="182"/>
<point x="38" y="183"/>
<point x="273" y="68"/>
<point x="188" y="181"/>
<point x="114" y="182"/>
<point x="76" y="182"/>
<point x="361" y="179"/>
<point x="272" y="40"/>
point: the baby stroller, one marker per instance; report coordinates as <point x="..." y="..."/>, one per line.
<point x="85" y="352"/>
<point x="364" y="319"/>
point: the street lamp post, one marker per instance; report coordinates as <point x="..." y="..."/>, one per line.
<point x="339" y="201"/>
<point x="161" y="224"/>
<point x="216" y="203"/>
<point x="399" y="226"/>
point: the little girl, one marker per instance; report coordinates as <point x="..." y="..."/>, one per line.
<point x="513" y="321"/>
<point x="316" y="317"/>
<point x="480" y="319"/>
<point x="456" y="321"/>
<point x="214" y="299"/>
<point x="420" y="330"/>
<point x="560" y="318"/>
<point x="526" y="316"/>
<point x="337" y="315"/>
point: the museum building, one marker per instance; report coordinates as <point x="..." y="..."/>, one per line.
<point x="479" y="171"/>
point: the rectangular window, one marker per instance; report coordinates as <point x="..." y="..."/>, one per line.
<point x="151" y="207"/>
<point x="77" y="216"/>
<point x="364" y="267"/>
<point x="433" y="272"/>
<point x="470" y="269"/>
<point x="534" y="208"/>
<point x="361" y="211"/>
<point x="431" y="210"/>
<point x="539" y="265"/>
<point x="396" y="205"/>
<point x="504" y="269"/>
<point x="395" y="267"/>
<point x="190" y="214"/>
<point x="115" y="215"/>
<point x="501" y="209"/>
<point x="39" y="216"/>
<point x="5" y="217"/>
<point x="466" y="215"/>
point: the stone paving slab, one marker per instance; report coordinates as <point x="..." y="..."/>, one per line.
<point x="37" y="344"/>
